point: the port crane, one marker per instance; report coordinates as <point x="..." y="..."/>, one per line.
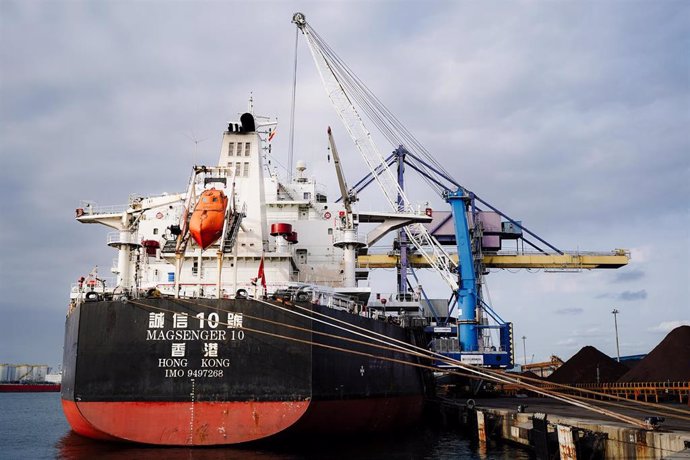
<point x="462" y="271"/>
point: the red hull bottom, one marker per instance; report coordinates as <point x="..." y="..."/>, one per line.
<point x="211" y="423"/>
<point x="178" y="424"/>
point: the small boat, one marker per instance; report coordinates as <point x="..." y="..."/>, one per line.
<point x="206" y="224"/>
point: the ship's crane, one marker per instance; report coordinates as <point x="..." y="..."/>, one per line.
<point x="126" y="222"/>
<point x="348" y="242"/>
<point x="347" y="196"/>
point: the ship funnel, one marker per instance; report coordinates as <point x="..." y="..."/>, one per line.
<point x="248" y="124"/>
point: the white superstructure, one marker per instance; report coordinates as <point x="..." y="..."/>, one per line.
<point x="146" y="237"/>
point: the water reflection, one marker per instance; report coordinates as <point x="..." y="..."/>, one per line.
<point x="75" y="447"/>
<point x="427" y="443"/>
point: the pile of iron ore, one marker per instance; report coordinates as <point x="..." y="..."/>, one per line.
<point x="588" y="365"/>
<point x="668" y="361"/>
<point x="529" y="374"/>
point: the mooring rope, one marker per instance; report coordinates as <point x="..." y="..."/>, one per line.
<point x="418" y="352"/>
<point x="494" y="375"/>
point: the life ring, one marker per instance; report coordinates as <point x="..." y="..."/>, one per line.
<point x="327" y="215"/>
<point x="159" y="215"/>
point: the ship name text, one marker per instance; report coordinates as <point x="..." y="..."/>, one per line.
<point x="186" y="329"/>
<point x="185" y="334"/>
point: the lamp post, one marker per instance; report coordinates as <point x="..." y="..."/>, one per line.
<point x="524" y="349"/>
<point x="615" y="324"/>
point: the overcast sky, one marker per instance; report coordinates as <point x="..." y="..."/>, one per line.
<point x="570" y="116"/>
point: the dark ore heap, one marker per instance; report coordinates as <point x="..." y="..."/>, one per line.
<point x="582" y="368"/>
<point x="668" y="361"/>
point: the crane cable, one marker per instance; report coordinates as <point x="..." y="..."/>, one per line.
<point x="385" y="121"/>
<point x="291" y="141"/>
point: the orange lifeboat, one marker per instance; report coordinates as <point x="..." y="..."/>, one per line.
<point x="206" y="224"/>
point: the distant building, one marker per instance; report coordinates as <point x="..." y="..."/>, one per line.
<point x="23" y="373"/>
<point x="545" y="368"/>
<point x="632" y="360"/>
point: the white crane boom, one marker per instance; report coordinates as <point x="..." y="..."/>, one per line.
<point x="342" y="183"/>
<point x="418" y="235"/>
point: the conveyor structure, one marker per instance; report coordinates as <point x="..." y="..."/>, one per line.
<point x="535" y="260"/>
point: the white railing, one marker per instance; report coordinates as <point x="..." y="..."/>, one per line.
<point x="343" y="236"/>
<point x="116" y="237"/>
<point x="90" y="208"/>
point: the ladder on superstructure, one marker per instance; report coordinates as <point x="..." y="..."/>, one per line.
<point x="230" y="231"/>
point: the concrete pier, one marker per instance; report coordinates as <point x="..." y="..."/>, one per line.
<point x="557" y="430"/>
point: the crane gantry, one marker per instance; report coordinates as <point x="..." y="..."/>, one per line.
<point x="463" y="271"/>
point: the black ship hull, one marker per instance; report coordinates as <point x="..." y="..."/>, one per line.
<point x="209" y="372"/>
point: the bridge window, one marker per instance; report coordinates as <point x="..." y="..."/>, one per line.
<point x="247" y="147"/>
<point x="245" y="171"/>
<point x="231" y="149"/>
<point x="238" y="165"/>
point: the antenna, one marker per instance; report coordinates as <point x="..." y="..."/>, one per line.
<point x="196" y="141"/>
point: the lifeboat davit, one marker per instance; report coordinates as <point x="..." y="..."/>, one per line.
<point x="206" y="224"/>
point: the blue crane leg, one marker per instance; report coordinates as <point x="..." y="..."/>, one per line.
<point x="467" y="293"/>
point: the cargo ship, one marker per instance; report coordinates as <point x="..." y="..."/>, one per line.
<point x="238" y="313"/>
<point x="38" y="387"/>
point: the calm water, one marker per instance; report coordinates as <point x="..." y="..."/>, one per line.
<point x="32" y="427"/>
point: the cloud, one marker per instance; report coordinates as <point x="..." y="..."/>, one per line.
<point x="625" y="296"/>
<point x="629" y="275"/>
<point x="633" y="295"/>
<point x="570" y="311"/>
<point x="590" y="332"/>
<point x="569" y="342"/>
<point x="581" y="337"/>
<point x="668" y="326"/>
